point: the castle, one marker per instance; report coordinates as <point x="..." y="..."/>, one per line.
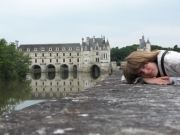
<point x="144" y="46"/>
<point x="92" y="55"/>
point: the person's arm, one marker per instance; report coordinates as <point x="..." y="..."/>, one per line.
<point x="159" y="80"/>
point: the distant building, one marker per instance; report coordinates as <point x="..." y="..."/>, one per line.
<point x="144" y="46"/>
<point x="92" y="55"/>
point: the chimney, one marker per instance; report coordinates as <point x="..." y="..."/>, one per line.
<point x="16" y="43"/>
<point x="93" y="38"/>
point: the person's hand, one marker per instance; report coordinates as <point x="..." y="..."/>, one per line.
<point x="159" y="80"/>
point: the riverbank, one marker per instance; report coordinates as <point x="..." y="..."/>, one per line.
<point x="108" y="108"/>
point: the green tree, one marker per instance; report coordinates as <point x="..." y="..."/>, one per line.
<point x="13" y="63"/>
<point x="119" y="54"/>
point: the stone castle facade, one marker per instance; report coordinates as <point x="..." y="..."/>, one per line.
<point x="91" y="54"/>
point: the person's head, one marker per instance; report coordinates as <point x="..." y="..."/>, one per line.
<point x="138" y="60"/>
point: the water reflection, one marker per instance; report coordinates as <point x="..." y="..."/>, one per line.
<point x="13" y="93"/>
<point x="42" y="86"/>
<point x="58" y="85"/>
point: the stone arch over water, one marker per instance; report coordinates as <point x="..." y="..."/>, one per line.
<point x="95" y="71"/>
<point x="50" y="68"/>
<point x="36" y="69"/>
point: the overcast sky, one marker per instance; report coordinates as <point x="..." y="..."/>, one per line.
<point x="122" y="22"/>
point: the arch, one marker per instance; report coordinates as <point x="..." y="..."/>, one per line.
<point x="51" y="75"/>
<point x="36" y="76"/>
<point x="95" y="72"/>
<point x="75" y="75"/>
<point x="36" y="69"/>
<point x="75" y="68"/>
<point x="63" y="67"/>
<point x="64" y="74"/>
<point x="50" y="68"/>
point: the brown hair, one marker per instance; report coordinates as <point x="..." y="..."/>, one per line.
<point x="136" y="60"/>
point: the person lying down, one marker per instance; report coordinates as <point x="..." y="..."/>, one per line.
<point x="156" y="67"/>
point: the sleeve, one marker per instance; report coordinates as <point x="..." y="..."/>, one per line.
<point x="123" y="80"/>
<point x="174" y="80"/>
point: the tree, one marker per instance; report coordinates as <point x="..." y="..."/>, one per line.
<point x="119" y="54"/>
<point x="13" y="64"/>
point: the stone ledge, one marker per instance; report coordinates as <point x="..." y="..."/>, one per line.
<point x="108" y="108"/>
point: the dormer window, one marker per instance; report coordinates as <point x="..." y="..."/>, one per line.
<point x="63" y="49"/>
<point x="77" y="48"/>
<point x="42" y="49"/>
<point x="104" y="48"/>
<point x="70" y="48"/>
<point x="96" y="47"/>
<point x="57" y="49"/>
<point x="28" y="49"/>
<point x="50" y="49"/>
<point x="35" y="49"/>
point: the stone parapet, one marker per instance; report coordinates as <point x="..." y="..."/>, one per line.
<point x="108" y="108"/>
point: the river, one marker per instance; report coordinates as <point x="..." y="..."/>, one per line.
<point x="38" y="87"/>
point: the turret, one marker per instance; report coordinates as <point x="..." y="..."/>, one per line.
<point x="16" y="43"/>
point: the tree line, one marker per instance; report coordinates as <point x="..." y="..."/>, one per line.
<point x="13" y="64"/>
<point x="119" y="54"/>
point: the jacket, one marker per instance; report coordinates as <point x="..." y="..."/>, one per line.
<point x="171" y="66"/>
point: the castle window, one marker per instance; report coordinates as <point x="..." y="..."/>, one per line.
<point x="42" y="61"/>
<point x="63" y="49"/>
<point x="69" y="60"/>
<point x="50" y="54"/>
<point x="42" y="49"/>
<point x="69" y="54"/>
<point x="70" y="48"/>
<point x="77" y="54"/>
<point x="35" y="60"/>
<point x="63" y="54"/>
<point x="28" y="49"/>
<point x="97" y="53"/>
<point x="50" y="49"/>
<point x="35" y="54"/>
<point x="96" y="47"/>
<point x="78" y="60"/>
<point x="57" y="60"/>
<point x="57" y="49"/>
<point x="56" y="54"/>
<point x="63" y="60"/>
<point x="35" y="49"/>
<point x="77" y="48"/>
<point x="50" y="60"/>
